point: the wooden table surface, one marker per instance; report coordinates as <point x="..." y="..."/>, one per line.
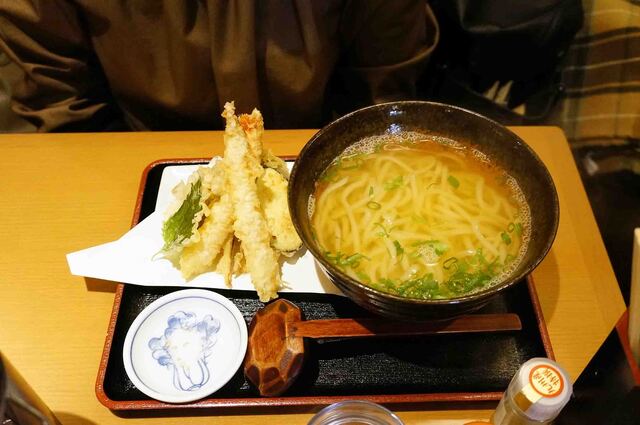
<point x="63" y="192"/>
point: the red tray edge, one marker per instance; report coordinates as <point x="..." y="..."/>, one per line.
<point x="622" y="327"/>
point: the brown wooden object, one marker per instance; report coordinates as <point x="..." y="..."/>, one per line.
<point x="275" y="354"/>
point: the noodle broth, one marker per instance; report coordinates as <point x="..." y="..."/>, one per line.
<point x="428" y="218"/>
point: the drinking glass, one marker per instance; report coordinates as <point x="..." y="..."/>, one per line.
<point x="355" y="412"/>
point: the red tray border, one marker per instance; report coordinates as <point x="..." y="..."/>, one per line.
<point x="281" y="401"/>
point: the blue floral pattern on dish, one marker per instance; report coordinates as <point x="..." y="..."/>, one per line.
<point x="185" y="347"/>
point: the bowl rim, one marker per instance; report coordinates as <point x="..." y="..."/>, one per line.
<point x="473" y="296"/>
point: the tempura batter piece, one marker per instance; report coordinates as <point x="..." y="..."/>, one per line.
<point x="217" y="226"/>
<point x="272" y="192"/>
<point x="250" y="226"/>
<point x="238" y="258"/>
<point x="212" y="177"/>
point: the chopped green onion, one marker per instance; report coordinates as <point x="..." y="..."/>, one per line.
<point x="393" y="183"/>
<point x="384" y="232"/>
<point x="424" y="287"/>
<point x="356" y="161"/>
<point x="453" y="182"/>
<point x="349" y="167"/>
<point x="363" y="277"/>
<point x="518" y="229"/>
<point x="330" y="174"/>
<point x="342" y="260"/>
<point x="387" y="283"/>
<point x="465" y="275"/>
<point x="415" y="254"/>
<point x="505" y="238"/>
<point x="399" y="248"/>
<point x="511" y="227"/>
<point x="479" y="258"/>
<point x="373" y="205"/>
<point x="370" y="190"/>
<point x="449" y="262"/>
<point x="354" y="260"/>
<point x="438" y="246"/>
<point x="332" y="258"/>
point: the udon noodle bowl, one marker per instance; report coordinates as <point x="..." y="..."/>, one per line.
<point x="420" y="217"/>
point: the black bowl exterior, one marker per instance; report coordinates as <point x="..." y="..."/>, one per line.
<point x="498" y="143"/>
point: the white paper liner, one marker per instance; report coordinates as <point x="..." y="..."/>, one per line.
<point x="130" y="258"/>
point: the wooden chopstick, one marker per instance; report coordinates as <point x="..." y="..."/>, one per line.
<point x="336" y="328"/>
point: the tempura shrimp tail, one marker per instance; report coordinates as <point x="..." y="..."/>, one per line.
<point x="253" y="126"/>
<point x="249" y="225"/>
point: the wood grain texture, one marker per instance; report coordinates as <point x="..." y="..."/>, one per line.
<point x="64" y="192"/>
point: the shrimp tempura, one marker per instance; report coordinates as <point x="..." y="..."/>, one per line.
<point x="249" y="224"/>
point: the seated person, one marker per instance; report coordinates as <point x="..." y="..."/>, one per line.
<point x="92" y="65"/>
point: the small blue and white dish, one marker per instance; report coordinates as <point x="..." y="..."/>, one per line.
<point x="185" y="345"/>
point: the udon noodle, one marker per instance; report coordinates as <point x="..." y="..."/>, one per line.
<point x="427" y="218"/>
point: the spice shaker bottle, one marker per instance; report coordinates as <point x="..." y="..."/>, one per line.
<point x="535" y="396"/>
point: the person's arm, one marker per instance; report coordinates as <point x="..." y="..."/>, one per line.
<point x="63" y="88"/>
<point x="385" y="46"/>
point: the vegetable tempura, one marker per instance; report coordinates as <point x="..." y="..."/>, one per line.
<point x="232" y="216"/>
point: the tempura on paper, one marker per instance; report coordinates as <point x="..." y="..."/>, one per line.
<point x="232" y="216"/>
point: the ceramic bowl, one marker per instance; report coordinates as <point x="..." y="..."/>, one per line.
<point x="185" y="345"/>
<point x="500" y="144"/>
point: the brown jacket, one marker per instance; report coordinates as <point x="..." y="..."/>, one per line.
<point x="166" y="64"/>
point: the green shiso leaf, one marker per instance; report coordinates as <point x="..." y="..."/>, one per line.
<point x="179" y="226"/>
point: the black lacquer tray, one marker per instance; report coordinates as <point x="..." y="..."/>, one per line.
<point x="444" y="368"/>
